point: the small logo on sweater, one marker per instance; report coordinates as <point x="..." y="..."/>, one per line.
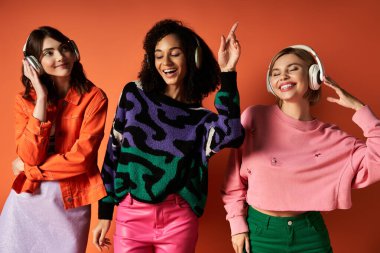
<point x="274" y="161"/>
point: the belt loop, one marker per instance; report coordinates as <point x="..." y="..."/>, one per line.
<point x="308" y="221"/>
<point x="130" y="199"/>
<point x="177" y="200"/>
<point x="268" y="220"/>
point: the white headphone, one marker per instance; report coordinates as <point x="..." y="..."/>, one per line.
<point x="37" y="65"/>
<point x="316" y="71"/>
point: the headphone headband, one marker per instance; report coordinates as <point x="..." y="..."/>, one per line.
<point x="197" y="54"/>
<point x="314" y="54"/>
<point x="33" y="61"/>
<point x="24" y="47"/>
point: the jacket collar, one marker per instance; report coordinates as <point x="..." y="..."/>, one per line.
<point x="73" y="96"/>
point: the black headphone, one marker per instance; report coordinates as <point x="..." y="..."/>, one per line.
<point x="198" y="54"/>
<point x="37" y="65"/>
<point x="316" y="71"/>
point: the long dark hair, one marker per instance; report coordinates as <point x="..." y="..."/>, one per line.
<point x="198" y="83"/>
<point x="34" y="48"/>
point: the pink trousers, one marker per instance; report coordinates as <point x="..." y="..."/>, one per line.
<point x="167" y="227"/>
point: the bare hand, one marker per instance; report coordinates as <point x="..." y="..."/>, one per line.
<point x="229" y="51"/>
<point x="240" y="242"/>
<point x="32" y="75"/>
<point x="344" y="98"/>
<point x="99" y="238"/>
<point x="17" y="166"/>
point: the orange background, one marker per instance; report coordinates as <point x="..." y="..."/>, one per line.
<point x="109" y="35"/>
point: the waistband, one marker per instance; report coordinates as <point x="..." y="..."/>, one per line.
<point x="170" y="199"/>
<point x="307" y="218"/>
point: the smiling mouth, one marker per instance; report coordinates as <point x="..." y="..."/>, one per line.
<point x="169" y="71"/>
<point x="286" y="86"/>
<point x="62" y="65"/>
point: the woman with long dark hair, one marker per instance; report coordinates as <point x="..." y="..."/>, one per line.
<point x="60" y="119"/>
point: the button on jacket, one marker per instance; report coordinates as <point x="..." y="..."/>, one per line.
<point x="79" y="128"/>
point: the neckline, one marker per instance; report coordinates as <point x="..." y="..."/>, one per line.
<point x="171" y="101"/>
<point x="299" y="124"/>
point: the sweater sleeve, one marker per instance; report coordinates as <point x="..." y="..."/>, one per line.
<point x="234" y="189"/>
<point x="106" y="205"/>
<point x="365" y="158"/>
<point x="234" y="194"/>
<point x="226" y="129"/>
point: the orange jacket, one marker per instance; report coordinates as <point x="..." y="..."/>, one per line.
<point x="79" y="128"/>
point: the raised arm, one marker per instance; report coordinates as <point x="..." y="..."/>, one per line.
<point x="32" y="133"/>
<point x="225" y="129"/>
<point x="365" y="159"/>
<point x="84" y="151"/>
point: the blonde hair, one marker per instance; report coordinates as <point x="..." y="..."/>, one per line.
<point x="312" y="96"/>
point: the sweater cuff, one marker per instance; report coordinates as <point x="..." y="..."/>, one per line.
<point x="105" y="210"/>
<point x="365" y="119"/>
<point x="238" y="225"/>
<point x="228" y="81"/>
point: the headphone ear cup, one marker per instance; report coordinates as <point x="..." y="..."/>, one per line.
<point x="35" y="64"/>
<point x="147" y="60"/>
<point x="269" y="86"/>
<point x="314" y="80"/>
<point x="75" y="49"/>
<point x="198" y="57"/>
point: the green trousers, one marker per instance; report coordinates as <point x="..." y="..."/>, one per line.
<point x="305" y="233"/>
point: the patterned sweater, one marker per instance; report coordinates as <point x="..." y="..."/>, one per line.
<point x="160" y="146"/>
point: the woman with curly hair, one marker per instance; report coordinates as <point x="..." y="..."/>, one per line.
<point x="155" y="168"/>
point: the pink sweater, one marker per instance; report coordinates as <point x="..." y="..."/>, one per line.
<point x="290" y="165"/>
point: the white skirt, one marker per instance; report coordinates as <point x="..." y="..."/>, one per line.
<point x="38" y="223"/>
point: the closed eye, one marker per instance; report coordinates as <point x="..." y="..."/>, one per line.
<point x="176" y="52"/>
<point x="158" y="56"/>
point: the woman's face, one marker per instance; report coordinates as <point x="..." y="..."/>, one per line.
<point x="170" y="60"/>
<point x="57" y="59"/>
<point x="289" y="78"/>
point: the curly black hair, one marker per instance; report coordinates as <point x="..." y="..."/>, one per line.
<point x="33" y="47"/>
<point x="198" y="83"/>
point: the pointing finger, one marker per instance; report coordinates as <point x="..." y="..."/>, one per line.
<point x="231" y="34"/>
